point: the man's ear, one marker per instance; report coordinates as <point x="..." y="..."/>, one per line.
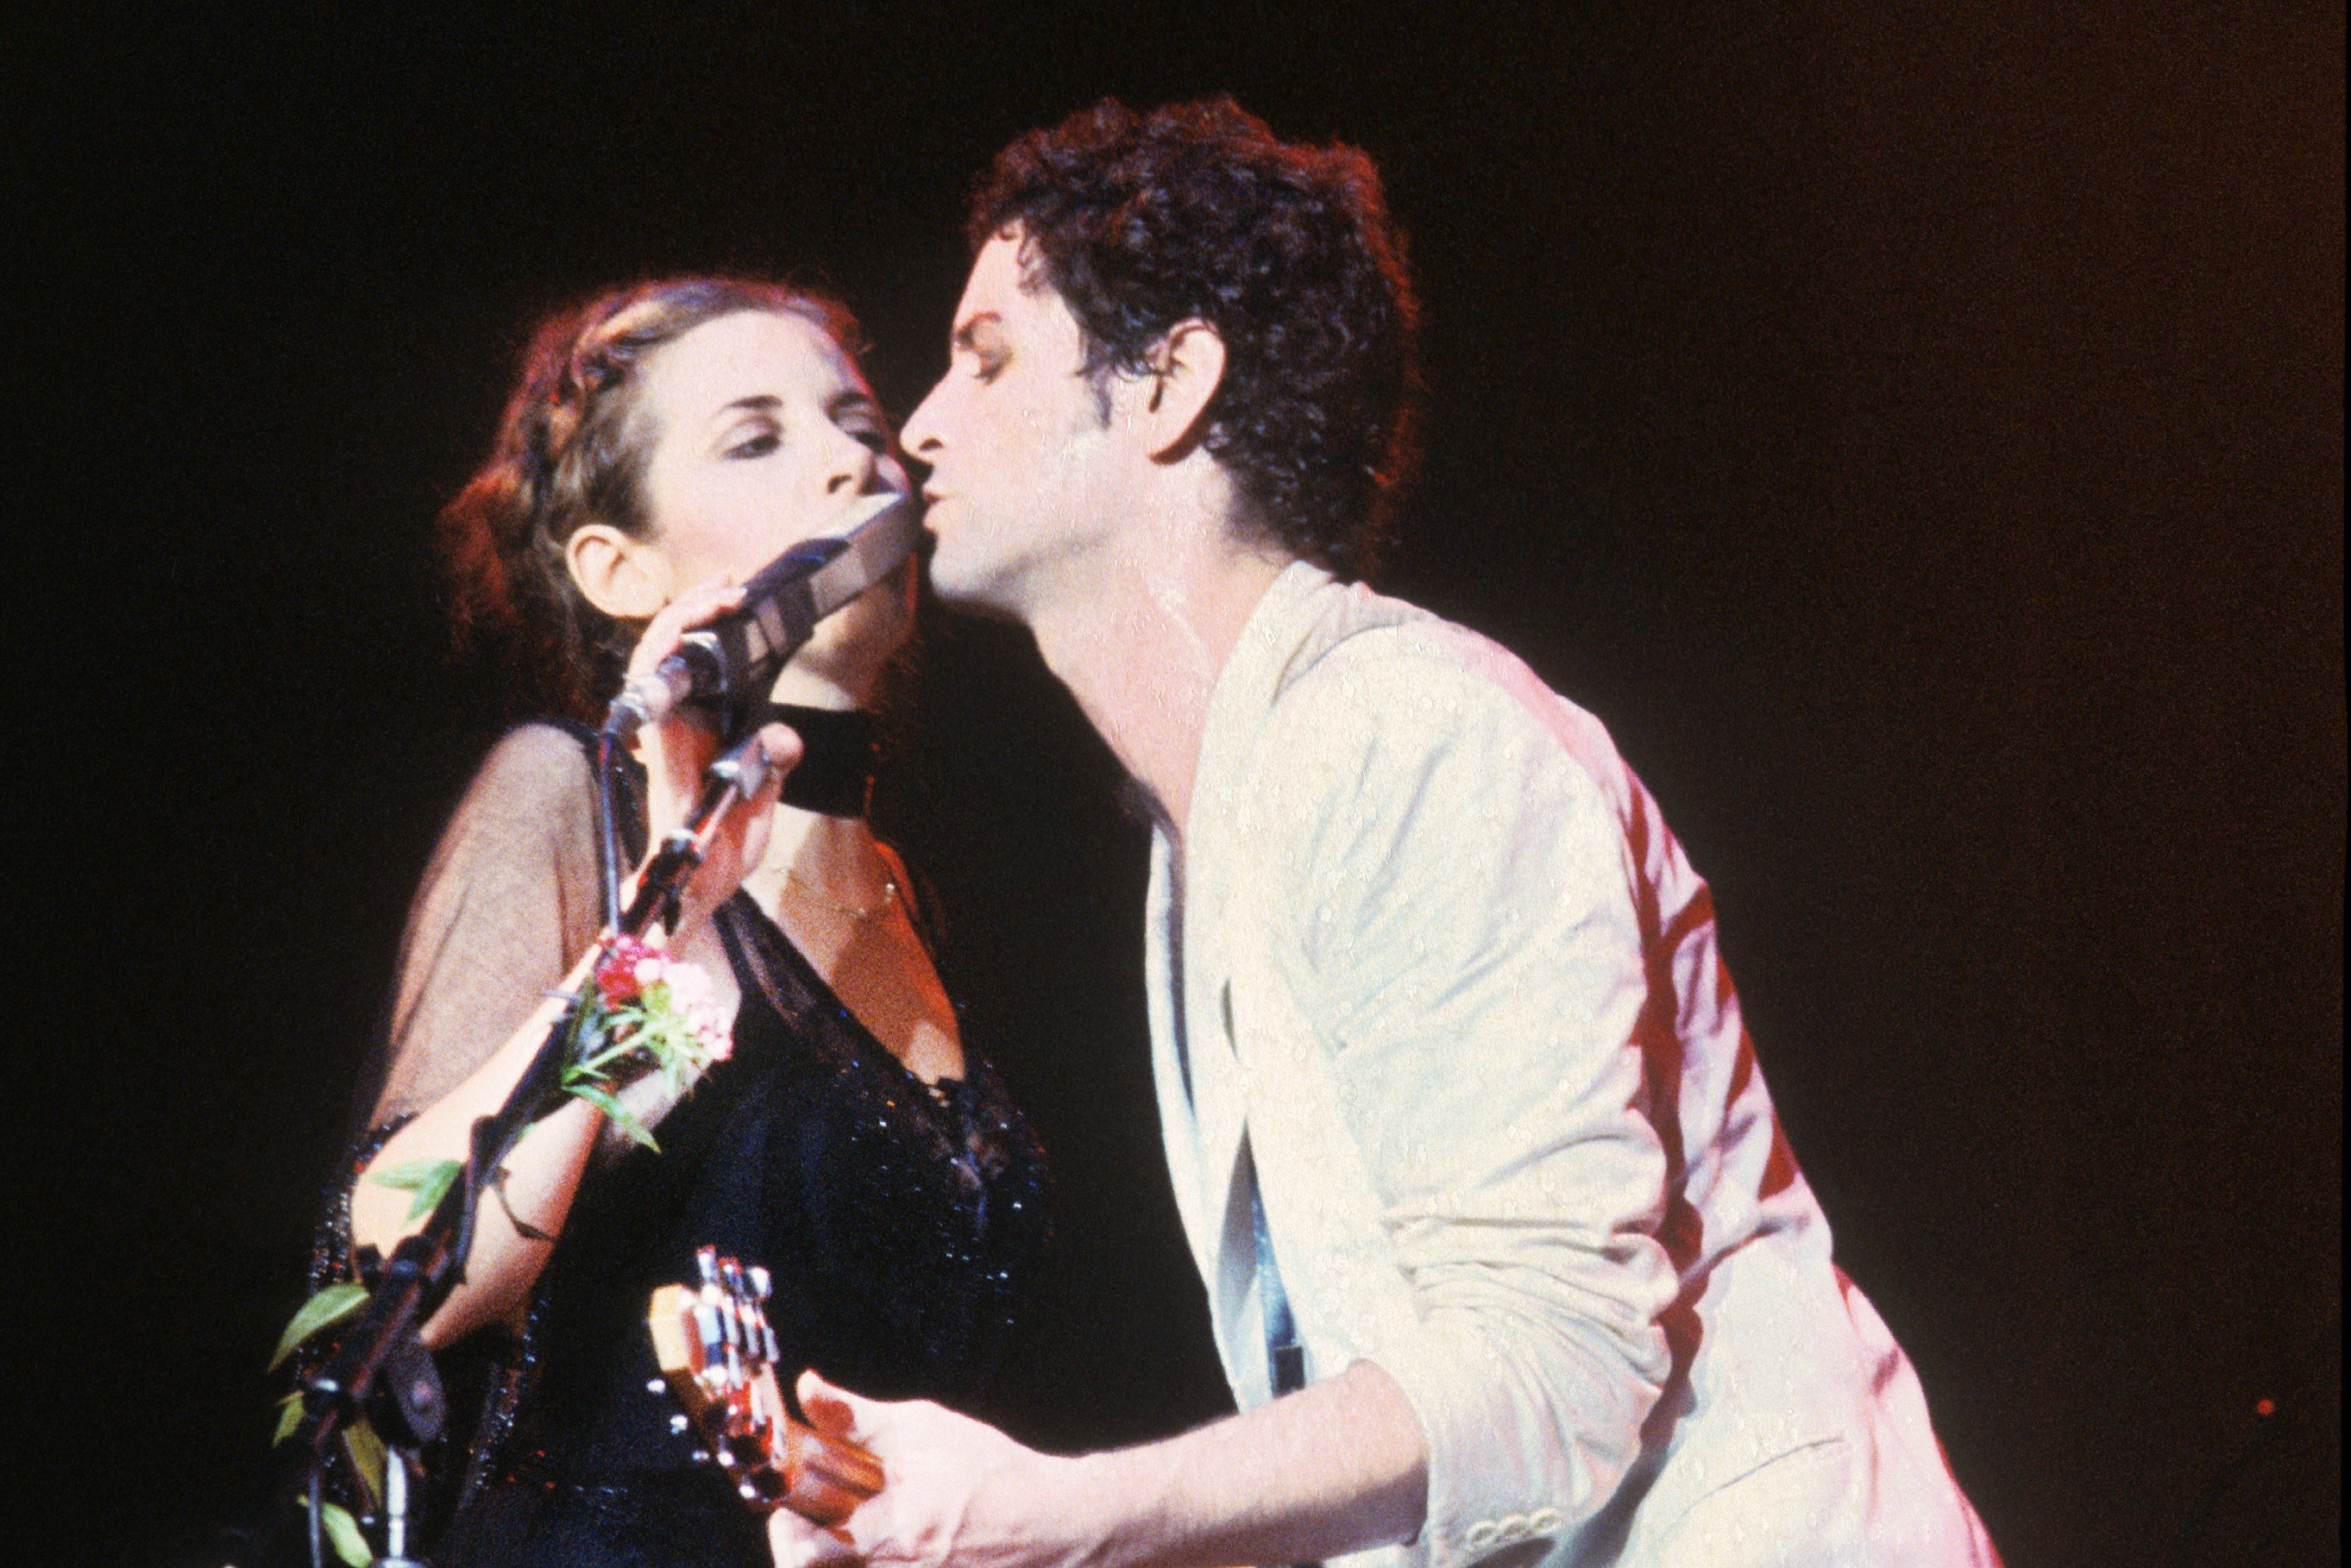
<point x="626" y="578"/>
<point x="1171" y="398"/>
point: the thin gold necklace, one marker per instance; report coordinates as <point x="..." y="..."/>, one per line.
<point x="818" y="896"/>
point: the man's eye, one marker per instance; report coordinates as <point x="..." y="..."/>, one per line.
<point x="987" y="369"/>
<point x="758" y="445"/>
<point x="871" y="436"/>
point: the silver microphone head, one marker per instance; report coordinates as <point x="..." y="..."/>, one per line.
<point x="879" y="532"/>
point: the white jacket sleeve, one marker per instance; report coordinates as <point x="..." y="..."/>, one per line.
<point x="1467" y="938"/>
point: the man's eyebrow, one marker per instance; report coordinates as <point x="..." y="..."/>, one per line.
<point x="758" y="402"/>
<point x="966" y="336"/>
<point x="854" y="400"/>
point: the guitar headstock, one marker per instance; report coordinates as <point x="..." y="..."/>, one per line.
<point x="718" y="1353"/>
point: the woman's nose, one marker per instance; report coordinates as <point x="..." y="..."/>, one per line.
<point x="853" y="467"/>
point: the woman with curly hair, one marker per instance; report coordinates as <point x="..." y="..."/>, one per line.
<point x="663" y="443"/>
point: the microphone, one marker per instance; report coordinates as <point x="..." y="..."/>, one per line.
<point x="735" y="659"/>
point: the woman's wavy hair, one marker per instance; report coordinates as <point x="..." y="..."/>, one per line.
<point x="568" y="453"/>
<point x="1196" y="210"/>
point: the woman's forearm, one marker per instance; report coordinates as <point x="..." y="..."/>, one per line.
<point x="542" y="1173"/>
<point x="543" y="1170"/>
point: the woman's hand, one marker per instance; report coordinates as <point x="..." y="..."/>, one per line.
<point x="681" y="748"/>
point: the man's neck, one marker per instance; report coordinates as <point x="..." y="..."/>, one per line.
<point x="1142" y="651"/>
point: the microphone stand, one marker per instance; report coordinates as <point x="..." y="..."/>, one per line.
<point x="380" y="1366"/>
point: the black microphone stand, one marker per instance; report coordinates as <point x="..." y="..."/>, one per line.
<point x="380" y="1366"/>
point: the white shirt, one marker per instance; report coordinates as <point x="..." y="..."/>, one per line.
<point x="1448" y="984"/>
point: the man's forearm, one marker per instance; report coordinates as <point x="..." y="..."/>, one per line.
<point x="1336" y="1468"/>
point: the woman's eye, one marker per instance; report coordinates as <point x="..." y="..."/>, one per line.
<point x="758" y="445"/>
<point x="989" y="370"/>
<point x="871" y="436"/>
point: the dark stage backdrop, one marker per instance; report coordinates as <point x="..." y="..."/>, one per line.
<point x="1916" y="432"/>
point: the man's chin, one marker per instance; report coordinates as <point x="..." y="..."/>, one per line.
<point x="960" y="589"/>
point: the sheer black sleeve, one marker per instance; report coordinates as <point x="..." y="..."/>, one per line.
<point x="507" y="904"/>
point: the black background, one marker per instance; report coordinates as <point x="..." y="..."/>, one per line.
<point x="1916" y="431"/>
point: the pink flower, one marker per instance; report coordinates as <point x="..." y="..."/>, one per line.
<point x="620" y="977"/>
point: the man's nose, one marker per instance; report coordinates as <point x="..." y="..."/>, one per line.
<point x="920" y="437"/>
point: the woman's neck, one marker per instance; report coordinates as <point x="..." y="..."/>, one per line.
<point x="834" y="689"/>
<point x="833" y="856"/>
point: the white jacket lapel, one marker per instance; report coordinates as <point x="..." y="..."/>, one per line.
<point x="1216" y="850"/>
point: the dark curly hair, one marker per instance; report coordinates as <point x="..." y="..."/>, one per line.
<point x="569" y="453"/>
<point x="1196" y="211"/>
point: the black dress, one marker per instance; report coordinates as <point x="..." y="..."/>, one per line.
<point x="900" y="1221"/>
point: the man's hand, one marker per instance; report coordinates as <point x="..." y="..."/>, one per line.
<point x="953" y="1490"/>
<point x="1336" y="1468"/>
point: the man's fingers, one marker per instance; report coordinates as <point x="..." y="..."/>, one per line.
<point x="832" y="1410"/>
<point x="795" y="1543"/>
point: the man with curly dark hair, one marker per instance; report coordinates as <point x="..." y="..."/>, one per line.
<point x="1506" y="1255"/>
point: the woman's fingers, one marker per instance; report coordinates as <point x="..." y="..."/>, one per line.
<point x="679" y="748"/>
<point x="782" y="744"/>
<point x="694" y="606"/>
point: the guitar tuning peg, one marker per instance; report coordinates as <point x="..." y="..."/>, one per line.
<point x="701" y="1456"/>
<point x="714" y="1328"/>
<point x="747" y="1493"/>
<point x="678" y="1424"/>
<point x="656" y="1385"/>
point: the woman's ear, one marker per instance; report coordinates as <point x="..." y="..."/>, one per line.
<point x="626" y="578"/>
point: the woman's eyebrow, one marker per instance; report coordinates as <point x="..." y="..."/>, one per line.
<point x="758" y="402"/>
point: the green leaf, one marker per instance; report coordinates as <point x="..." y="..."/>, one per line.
<point x="415" y="1174"/>
<point x="329" y="1306"/>
<point x="587" y="1032"/>
<point x="343" y="1530"/>
<point x="612" y="1107"/>
<point x="366" y="1450"/>
<point x="429" y="1179"/>
<point x="593" y="1066"/>
<point x="289" y="1415"/>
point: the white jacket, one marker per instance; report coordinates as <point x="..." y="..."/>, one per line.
<point x="1447" y="982"/>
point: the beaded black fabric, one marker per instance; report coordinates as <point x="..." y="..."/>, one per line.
<point x="900" y="1221"/>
